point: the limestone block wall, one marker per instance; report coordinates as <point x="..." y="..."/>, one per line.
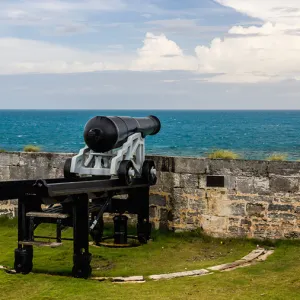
<point x="238" y="198"/>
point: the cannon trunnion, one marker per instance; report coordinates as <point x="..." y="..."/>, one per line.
<point x="93" y="184"/>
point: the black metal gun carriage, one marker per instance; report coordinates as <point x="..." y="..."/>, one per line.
<point x="92" y="183"/>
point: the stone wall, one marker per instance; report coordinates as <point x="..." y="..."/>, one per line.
<point x="239" y="198"/>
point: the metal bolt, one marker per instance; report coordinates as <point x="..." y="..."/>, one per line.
<point x="153" y="172"/>
<point x="131" y="172"/>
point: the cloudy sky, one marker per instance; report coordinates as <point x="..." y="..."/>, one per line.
<point x="166" y="54"/>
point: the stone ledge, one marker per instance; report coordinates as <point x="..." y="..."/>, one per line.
<point x="257" y="255"/>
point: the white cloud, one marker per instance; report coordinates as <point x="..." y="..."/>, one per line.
<point x="58" y="16"/>
<point x="160" y="53"/>
<point x="272" y="56"/>
<point x="266" y="29"/>
<point x="255" y="58"/>
<point x="278" y="11"/>
<point x="247" y="54"/>
<point x="28" y="56"/>
<point x="257" y="53"/>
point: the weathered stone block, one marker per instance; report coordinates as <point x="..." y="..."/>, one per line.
<point x="163" y="163"/>
<point x="163" y="219"/>
<point x="261" y="185"/>
<point x="278" y="207"/>
<point x="234" y="221"/>
<point x="158" y="200"/>
<point x="237" y="209"/>
<point x="153" y="212"/>
<point x="193" y="193"/>
<point x="237" y="231"/>
<point x="202" y="181"/>
<point x="17" y="173"/>
<point x="255" y="209"/>
<point x="282" y="216"/>
<point x="252" y="168"/>
<point x="284" y="168"/>
<point x="178" y="202"/>
<point x="56" y="173"/>
<point x="169" y="180"/>
<point x="245" y="185"/>
<point x="197" y="205"/>
<point x="220" y="167"/>
<point x="286" y="198"/>
<point x="214" y="225"/>
<point x="238" y="167"/>
<point x="245" y="222"/>
<point x="4" y="173"/>
<point x="190" y="165"/>
<point x="233" y="197"/>
<point x="292" y="235"/>
<point x="58" y="160"/>
<point x="251" y="198"/>
<point x="230" y="182"/>
<point x="9" y="159"/>
<point x="189" y="181"/>
<point x="262" y="198"/>
<point x="284" y="184"/>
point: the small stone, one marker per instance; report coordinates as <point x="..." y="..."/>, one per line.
<point x="128" y="279"/>
<point x="179" y="274"/>
<point x="255" y="209"/>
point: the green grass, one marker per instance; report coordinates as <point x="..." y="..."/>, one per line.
<point x="188" y="251"/>
<point x="223" y="154"/>
<point x="32" y="148"/>
<point x="277" y="278"/>
<point x="277" y="157"/>
<point x="2" y="151"/>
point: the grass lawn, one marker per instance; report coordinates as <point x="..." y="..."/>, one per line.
<point x="277" y="278"/>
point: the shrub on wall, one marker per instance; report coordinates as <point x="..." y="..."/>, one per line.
<point x="277" y="157"/>
<point x="32" y="148"/>
<point x="223" y="154"/>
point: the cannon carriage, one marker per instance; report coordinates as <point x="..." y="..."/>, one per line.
<point x="112" y="164"/>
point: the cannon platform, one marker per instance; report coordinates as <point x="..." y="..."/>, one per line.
<point x="78" y="203"/>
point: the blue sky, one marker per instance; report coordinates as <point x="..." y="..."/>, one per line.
<point x="205" y="54"/>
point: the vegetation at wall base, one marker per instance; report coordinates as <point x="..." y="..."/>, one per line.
<point x="2" y="151"/>
<point x="32" y="148"/>
<point x="277" y="157"/>
<point x="223" y="154"/>
<point x="276" y="278"/>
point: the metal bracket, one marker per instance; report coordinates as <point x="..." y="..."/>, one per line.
<point x="88" y="162"/>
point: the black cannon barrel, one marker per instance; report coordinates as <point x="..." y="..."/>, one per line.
<point x="102" y="134"/>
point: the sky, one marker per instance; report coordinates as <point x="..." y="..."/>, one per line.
<point x="150" y="54"/>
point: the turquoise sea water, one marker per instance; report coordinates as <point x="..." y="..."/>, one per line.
<point x="253" y="134"/>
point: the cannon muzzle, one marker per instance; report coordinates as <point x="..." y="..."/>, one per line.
<point x="102" y="134"/>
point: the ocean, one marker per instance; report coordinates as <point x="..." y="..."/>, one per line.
<point x="252" y="134"/>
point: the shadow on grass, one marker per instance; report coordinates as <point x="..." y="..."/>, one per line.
<point x="44" y="271"/>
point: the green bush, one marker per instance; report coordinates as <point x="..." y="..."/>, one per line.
<point x="223" y="154"/>
<point x="277" y="157"/>
<point x="2" y="150"/>
<point x="32" y="148"/>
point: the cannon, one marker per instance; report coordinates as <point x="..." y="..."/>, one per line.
<point x="115" y="147"/>
<point x="111" y="166"/>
